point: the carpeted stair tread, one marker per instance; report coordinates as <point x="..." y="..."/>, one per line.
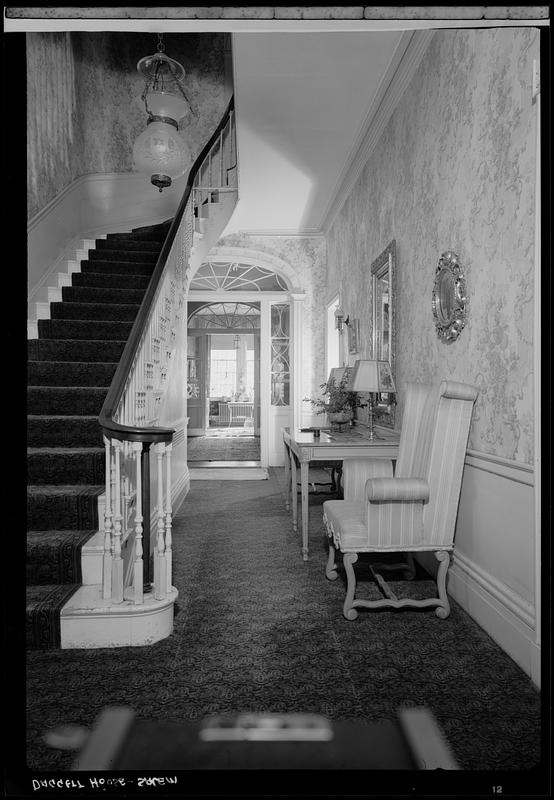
<point x="70" y="373"/>
<point x="89" y="294"/>
<point x="65" y="465"/>
<point x="125" y="256"/>
<point x="111" y="280"/>
<point x="70" y="400"/>
<point x="99" y="311"/>
<point x="83" y="329"/>
<point x="65" y="506"/>
<point x="112" y="268"/>
<point x="44" y="604"/>
<point x="55" y="556"/>
<point x="57" y="430"/>
<point x="74" y="350"/>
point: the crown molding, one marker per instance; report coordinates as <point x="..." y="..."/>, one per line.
<point x="288" y="233"/>
<point x="402" y="67"/>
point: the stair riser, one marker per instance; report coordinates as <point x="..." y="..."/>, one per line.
<point x="77" y="294"/>
<point x="55" y="556"/>
<point x="89" y="311"/>
<point x="113" y="269"/>
<point x="46" y="512"/>
<point x="131" y="257"/>
<point x="59" y="373"/>
<point x="75" y="468"/>
<point x="49" y="432"/>
<point x="51" y="350"/>
<point x="83" y="329"/>
<point x="65" y="400"/>
<point x="135" y="245"/>
<point x="110" y="280"/>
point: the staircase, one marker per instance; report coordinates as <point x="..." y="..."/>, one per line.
<point x="70" y="367"/>
<point x="103" y="390"/>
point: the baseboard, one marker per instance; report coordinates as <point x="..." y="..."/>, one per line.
<point x="506" y="617"/>
<point x="492" y="576"/>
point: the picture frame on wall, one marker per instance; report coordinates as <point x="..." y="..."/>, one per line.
<point x="354" y="336"/>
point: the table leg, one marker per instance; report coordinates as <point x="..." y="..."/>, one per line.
<point x="287" y="477"/>
<point x="293" y="492"/>
<point x="304" y="468"/>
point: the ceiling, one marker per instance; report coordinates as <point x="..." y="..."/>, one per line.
<point x="303" y="102"/>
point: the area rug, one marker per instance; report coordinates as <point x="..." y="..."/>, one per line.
<point x="227" y="448"/>
<point x="229" y="474"/>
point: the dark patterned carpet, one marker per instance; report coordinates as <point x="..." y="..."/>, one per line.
<point x="258" y="629"/>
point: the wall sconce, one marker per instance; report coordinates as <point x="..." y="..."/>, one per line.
<point x="339" y="319"/>
<point x="159" y="151"/>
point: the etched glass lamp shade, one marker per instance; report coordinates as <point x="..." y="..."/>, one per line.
<point x="160" y="151"/>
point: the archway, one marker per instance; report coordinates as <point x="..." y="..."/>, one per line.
<point x="232" y="276"/>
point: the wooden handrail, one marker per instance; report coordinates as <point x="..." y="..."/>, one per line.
<point x="110" y="427"/>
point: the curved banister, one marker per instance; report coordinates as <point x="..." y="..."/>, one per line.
<point x="109" y="426"/>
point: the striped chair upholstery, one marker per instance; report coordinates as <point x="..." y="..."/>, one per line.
<point x="416" y="509"/>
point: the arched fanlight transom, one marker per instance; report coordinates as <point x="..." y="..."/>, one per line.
<point x="232" y="276"/>
<point x="227" y="316"/>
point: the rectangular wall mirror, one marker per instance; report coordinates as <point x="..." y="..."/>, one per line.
<point x="383" y="289"/>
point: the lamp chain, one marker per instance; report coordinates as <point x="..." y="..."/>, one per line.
<point x="161" y="45"/>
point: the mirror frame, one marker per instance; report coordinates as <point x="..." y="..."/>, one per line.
<point x="449" y="326"/>
<point x="383" y="264"/>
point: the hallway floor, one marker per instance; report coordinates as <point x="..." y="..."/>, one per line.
<point x="257" y="629"/>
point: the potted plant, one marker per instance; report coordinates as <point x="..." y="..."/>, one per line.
<point x="337" y="402"/>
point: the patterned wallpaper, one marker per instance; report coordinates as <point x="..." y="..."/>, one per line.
<point x="307" y="256"/>
<point x="454" y="169"/>
<point x="84" y="107"/>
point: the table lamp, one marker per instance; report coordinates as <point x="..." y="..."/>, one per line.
<point x="337" y="374"/>
<point x="371" y="377"/>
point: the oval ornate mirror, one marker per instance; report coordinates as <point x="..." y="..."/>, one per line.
<point x="449" y="297"/>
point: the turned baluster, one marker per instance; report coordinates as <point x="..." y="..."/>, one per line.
<point x="160" y="579"/>
<point x="138" y="567"/>
<point x="108" y="514"/>
<point x="117" y="563"/>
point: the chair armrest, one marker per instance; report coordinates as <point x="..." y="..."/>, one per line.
<point x="394" y="490"/>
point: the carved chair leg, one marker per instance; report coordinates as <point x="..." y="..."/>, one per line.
<point x="409" y="573"/>
<point x="349" y="612"/>
<point x="331" y="568"/>
<point x="443" y="557"/>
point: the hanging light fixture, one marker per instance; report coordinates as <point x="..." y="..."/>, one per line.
<point x="159" y="151"/>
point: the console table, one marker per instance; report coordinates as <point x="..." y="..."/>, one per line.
<point x="303" y="447"/>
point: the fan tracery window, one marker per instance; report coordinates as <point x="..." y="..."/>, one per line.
<point x="232" y="276"/>
<point x="227" y="316"/>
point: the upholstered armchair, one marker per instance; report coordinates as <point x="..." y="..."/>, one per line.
<point x="414" y="511"/>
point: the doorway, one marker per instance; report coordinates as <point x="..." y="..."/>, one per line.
<point x="223" y="383"/>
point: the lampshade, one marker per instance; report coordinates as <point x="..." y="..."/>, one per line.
<point x="160" y="150"/>
<point x="166" y="104"/>
<point x="371" y="376"/>
<point x="337" y="374"/>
